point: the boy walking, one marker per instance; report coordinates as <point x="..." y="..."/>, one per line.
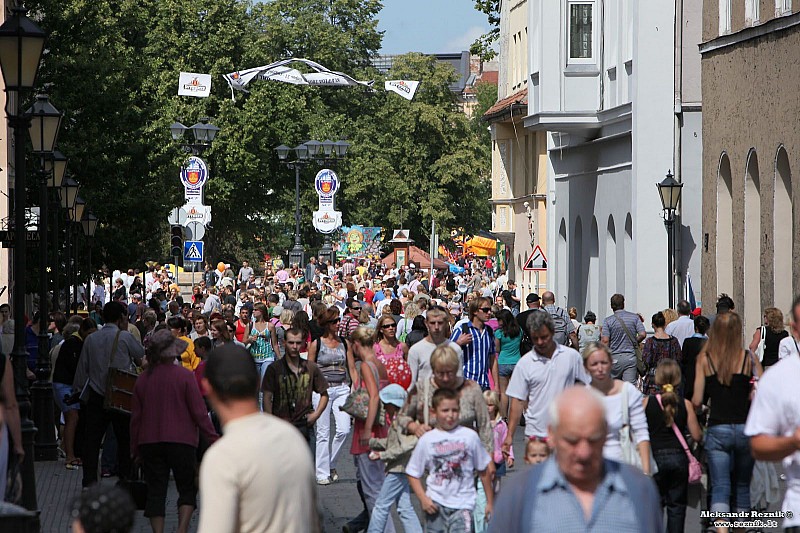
<point x="451" y="454"/>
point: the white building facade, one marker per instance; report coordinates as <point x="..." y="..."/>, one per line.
<point x="608" y="82"/>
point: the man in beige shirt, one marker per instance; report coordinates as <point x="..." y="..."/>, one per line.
<point x="243" y="475"/>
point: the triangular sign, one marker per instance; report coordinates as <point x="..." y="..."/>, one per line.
<point x="536" y="261"/>
<point x="193" y="253"/>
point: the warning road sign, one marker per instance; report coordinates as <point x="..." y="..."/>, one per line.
<point x="536" y="261"/>
<point x="193" y="251"/>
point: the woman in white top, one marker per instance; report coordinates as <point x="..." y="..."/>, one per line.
<point x="412" y="311"/>
<point x="597" y="360"/>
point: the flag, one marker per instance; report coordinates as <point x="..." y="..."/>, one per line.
<point x="692" y="300"/>
<point x="192" y="84"/>
<point x="404" y="88"/>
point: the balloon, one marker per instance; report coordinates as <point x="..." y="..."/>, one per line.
<point x="221" y="267"/>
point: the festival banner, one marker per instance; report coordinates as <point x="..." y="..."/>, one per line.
<point x="359" y="242"/>
<point x="404" y="88"/>
<point x="191" y="84"/>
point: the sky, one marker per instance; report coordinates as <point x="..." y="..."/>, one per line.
<point x="430" y="26"/>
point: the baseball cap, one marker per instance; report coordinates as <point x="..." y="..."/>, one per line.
<point x="393" y="394"/>
<point x="532" y="297"/>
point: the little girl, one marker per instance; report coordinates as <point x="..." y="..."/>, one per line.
<point x="500" y="430"/>
<point x="536" y="451"/>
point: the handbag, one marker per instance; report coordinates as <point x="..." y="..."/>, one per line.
<point x="695" y="468"/>
<point x="136" y="487"/>
<point x="630" y="454"/>
<point x="637" y="348"/>
<point x="357" y="404"/>
<point x="761" y="343"/>
<point x="119" y="384"/>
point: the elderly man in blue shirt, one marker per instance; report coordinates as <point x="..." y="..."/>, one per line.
<point x="576" y="489"/>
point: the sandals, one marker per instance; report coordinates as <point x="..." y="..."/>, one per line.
<point x="75" y="464"/>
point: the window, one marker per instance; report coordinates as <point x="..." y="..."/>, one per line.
<point x="783" y="7"/>
<point x="751" y="12"/>
<point x="724" y="17"/>
<point x="580" y="30"/>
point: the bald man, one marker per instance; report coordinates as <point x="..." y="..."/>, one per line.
<point x="565" y="330"/>
<point x="627" y="500"/>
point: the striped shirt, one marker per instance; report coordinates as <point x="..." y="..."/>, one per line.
<point x="477" y="354"/>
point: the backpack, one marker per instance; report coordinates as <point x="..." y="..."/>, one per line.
<point x="560" y="331"/>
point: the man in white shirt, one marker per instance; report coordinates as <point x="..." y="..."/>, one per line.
<point x="683" y="328"/>
<point x="539" y="377"/>
<point x="419" y="356"/>
<point x="773" y="425"/>
<point x="790" y="345"/>
<point x="243" y="489"/>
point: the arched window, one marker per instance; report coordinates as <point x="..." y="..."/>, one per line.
<point x="561" y="265"/>
<point x="628" y="256"/>
<point x="613" y="279"/>
<point x="783" y="231"/>
<point x="724" y="239"/>
<point x="593" y="285"/>
<point x="752" y="243"/>
<point x="576" y="276"/>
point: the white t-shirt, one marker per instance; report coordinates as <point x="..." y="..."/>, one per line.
<point x="788" y="346"/>
<point x="776" y="412"/>
<point x="419" y="359"/>
<point x="637" y="419"/>
<point x="451" y="459"/>
<point x="538" y="380"/>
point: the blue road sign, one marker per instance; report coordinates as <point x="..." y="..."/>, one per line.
<point x="193" y="251"/>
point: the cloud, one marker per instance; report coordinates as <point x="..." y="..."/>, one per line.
<point x="463" y="41"/>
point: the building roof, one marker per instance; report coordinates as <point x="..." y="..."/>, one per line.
<point x="517" y="100"/>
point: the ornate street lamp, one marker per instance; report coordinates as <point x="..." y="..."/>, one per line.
<point x="89" y="224"/>
<point x="21" y="46"/>
<point x="68" y="194"/>
<point x="670" y="192"/>
<point x="45" y="123"/>
<point x="75" y="216"/>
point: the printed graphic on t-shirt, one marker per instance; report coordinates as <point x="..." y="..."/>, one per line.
<point x="449" y="457"/>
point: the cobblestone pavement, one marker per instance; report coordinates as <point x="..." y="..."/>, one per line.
<point x="57" y="487"/>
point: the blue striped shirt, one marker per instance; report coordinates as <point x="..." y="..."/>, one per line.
<point x="477" y="353"/>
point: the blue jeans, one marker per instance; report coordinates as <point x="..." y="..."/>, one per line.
<point x="672" y="480"/>
<point x="729" y="458"/>
<point x="395" y="489"/>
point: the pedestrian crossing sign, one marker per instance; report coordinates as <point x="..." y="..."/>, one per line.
<point x="536" y="261"/>
<point x="193" y="251"/>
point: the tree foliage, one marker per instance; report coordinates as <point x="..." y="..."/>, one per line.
<point x="112" y="68"/>
<point x="484" y="45"/>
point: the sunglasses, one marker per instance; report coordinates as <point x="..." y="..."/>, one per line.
<point x="355" y="309"/>
<point x="387" y="326"/>
<point x="486" y="309"/>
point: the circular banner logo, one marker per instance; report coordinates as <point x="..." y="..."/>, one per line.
<point x="194" y="174"/>
<point x="326" y="183"/>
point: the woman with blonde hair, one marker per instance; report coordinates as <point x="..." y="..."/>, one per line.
<point x="284" y="323"/>
<point x="726" y="375"/>
<point x="411" y="311"/>
<point x="774" y="332"/>
<point x="391" y="352"/>
<point x="663" y="410"/>
<point x="670" y="315"/>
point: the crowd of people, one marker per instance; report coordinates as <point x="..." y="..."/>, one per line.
<point x="431" y="377"/>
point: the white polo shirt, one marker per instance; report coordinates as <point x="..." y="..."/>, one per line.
<point x="776" y="412"/>
<point x="538" y="380"/>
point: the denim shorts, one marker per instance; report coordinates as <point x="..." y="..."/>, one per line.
<point x="59" y="391"/>
<point x="506" y="370"/>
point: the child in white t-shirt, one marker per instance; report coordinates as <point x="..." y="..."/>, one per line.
<point x="451" y="454"/>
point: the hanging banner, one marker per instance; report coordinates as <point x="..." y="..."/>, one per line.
<point x="359" y="242"/>
<point x="327" y="219"/>
<point x="192" y="84"/>
<point x="326" y="222"/>
<point x="279" y="71"/>
<point x="404" y="88"/>
<point x="193" y="176"/>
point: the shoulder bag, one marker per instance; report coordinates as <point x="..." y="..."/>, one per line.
<point x="695" y="468"/>
<point x="119" y="384"/>
<point x="630" y="454"/>
<point x="761" y="343"/>
<point x="637" y="348"/>
<point x="357" y="403"/>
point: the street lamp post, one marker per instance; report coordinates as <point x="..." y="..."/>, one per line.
<point x="670" y="192"/>
<point x="68" y="194"/>
<point x="89" y="224"/>
<point x="75" y="216"/>
<point x="55" y="168"/>
<point x="21" y="46"/>
<point x="45" y="121"/>
<point x="310" y="151"/>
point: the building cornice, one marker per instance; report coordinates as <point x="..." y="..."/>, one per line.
<point x="567" y="121"/>
<point x="748" y="34"/>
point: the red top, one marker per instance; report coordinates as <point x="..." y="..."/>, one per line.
<point x="167" y="407"/>
<point x="241" y="328"/>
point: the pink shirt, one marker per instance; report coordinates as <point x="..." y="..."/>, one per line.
<point x="499" y="433"/>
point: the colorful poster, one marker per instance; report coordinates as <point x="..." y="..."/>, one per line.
<point x="359" y="242"/>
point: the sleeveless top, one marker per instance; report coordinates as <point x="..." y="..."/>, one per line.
<point x="771" y="345"/>
<point x="662" y="437"/>
<point x="729" y="404"/>
<point x="396" y="367"/>
<point x="261" y="347"/>
<point x="332" y="362"/>
<point x="241" y="329"/>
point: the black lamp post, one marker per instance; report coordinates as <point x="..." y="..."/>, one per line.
<point x="75" y="216"/>
<point x="55" y="168"/>
<point x="45" y="122"/>
<point x="68" y="194"/>
<point x="670" y="192"/>
<point x="89" y="224"/>
<point x="21" y="45"/>
<point x="305" y="153"/>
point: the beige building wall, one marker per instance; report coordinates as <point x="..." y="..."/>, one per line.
<point x="751" y="151"/>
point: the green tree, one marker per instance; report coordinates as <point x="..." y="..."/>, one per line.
<point x="484" y="45"/>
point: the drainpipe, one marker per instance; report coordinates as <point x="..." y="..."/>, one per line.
<point x="602" y="55"/>
<point x="677" y="274"/>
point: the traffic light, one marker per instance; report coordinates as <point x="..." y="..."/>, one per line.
<point x="176" y="240"/>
